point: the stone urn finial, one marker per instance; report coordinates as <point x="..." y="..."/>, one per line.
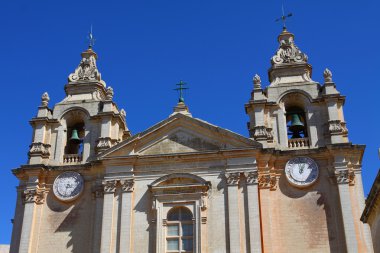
<point x="327" y="75"/>
<point x="109" y="95"/>
<point x="123" y="113"/>
<point x="45" y="99"/>
<point x="256" y="82"/>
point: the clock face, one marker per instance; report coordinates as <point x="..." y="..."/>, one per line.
<point x="301" y="171"/>
<point x="68" y="186"/>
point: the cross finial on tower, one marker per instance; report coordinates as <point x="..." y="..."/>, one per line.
<point x="91" y="39"/>
<point x="180" y="89"/>
<point x="283" y="18"/>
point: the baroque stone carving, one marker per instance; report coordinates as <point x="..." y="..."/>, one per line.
<point x="103" y="144"/>
<point x="327" y="76"/>
<point x="87" y="70"/>
<point x="109" y="95"/>
<point x="233" y="178"/>
<point x="267" y="181"/>
<point x="33" y="196"/>
<point x="39" y="149"/>
<point x="45" y="99"/>
<point x="123" y="113"/>
<point x="109" y="186"/>
<point x="252" y="177"/>
<point x="337" y="127"/>
<point x="127" y="185"/>
<point x="256" y="82"/>
<point x="288" y="52"/>
<point x="261" y="133"/>
<point x="345" y="176"/>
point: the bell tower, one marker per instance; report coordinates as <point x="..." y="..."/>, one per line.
<point x="86" y="122"/>
<point x="295" y="112"/>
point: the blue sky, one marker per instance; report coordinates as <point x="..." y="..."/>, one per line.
<point x="146" y="47"/>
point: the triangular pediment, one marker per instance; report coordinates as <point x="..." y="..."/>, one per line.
<point x="180" y="134"/>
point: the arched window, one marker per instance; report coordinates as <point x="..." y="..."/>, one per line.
<point x="180" y="230"/>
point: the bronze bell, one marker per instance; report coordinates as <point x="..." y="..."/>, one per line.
<point x="74" y="137"/>
<point x="296" y="126"/>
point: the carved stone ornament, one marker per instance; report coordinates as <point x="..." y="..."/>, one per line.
<point x="127" y="185"/>
<point x="33" y="196"/>
<point x="110" y="93"/>
<point x="45" y="99"/>
<point x="345" y="177"/>
<point x="103" y="144"/>
<point x="252" y="177"/>
<point x="337" y="127"/>
<point x="268" y="181"/>
<point x="109" y="186"/>
<point x="261" y="133"/>
<point x="256" y="82"/>
<point x="39" y="149"/>
<point x="123" y="113"/>
<point x="327" y="76"/>
<point x="233" y="178"/>
<point x="87" y="70"/>
<point x="288" y="52"/>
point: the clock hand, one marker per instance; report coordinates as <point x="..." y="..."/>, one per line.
<point x="302" y="168"/>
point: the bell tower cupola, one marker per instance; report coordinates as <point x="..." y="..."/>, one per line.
<point x="293" y="111"/>
<point x="85" y="123"/>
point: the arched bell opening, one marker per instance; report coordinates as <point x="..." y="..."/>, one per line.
<point x="75" y="138"/>
<point x="74" y="141"/>
<point x="296" y="123"/>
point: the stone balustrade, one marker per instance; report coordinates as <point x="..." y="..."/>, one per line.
<point x="298" y="143"/>
<point x="72" y="158"/>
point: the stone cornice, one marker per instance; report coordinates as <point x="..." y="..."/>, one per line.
<point x="372" y="198"/>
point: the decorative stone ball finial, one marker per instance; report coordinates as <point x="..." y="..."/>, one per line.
<point x="45" y="99"/>
<point x="256" y="82"/>
<point x="123" y="113"/>
<point x="109" y="95"/>
<point x="327" y="75"/>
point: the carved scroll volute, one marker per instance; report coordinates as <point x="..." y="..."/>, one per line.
<point x="232" y="178"/>
<point x="109" y="186"/>
<point x="345" y="177"/>
<point x="252" y="177"/>
<point x="267" y="181"/>
<point x="34" y="196"/>
<point x="127" y="185"/>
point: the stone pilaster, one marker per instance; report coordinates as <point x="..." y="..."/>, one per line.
<point x="108" y="219"/>
<point x="98" y="195"/>
<point x="126" y="215"/>
<point x="232" y="180"/>
<point x="32" y="196"/>
<point x="343" y="178"/>
<point x="253" y="211"/>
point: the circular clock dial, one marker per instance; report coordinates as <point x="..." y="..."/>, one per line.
<point x="301" y="171"/>
<point x="68" y="186"/>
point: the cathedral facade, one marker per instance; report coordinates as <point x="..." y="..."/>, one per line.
<point x="185" y="185"/>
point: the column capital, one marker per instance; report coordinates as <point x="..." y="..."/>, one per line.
<point x="127" y="185"/>
<point x="109" y="186"/>
<point x="232" y="178"/>
<point x="251" y="177"/>
<point x="267" y="181"/>
<point x="33" y="196"/>
<point x="345" y="176"/>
